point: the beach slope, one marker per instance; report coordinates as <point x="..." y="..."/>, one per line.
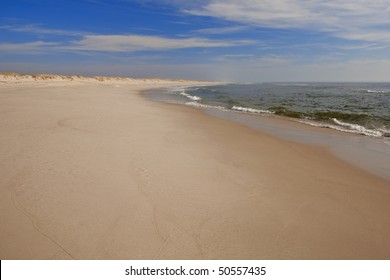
<point x="91" y="170"/>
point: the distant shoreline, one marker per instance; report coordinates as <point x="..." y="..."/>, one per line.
<point x="56" y="77"/>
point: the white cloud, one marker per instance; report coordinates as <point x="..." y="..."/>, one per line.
<point x="371" y="36"/>
<point x="36" y="29"/>
<point x="28" y="47"/>
<point x="220" y="30"/>
<point x="277" y="13"/>
<point x="129" y="43"/>
<point x="334" y="16"/>
<point x="121" y="43"/>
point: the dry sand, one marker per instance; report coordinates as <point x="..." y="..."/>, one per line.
<point x="91" y="170"/>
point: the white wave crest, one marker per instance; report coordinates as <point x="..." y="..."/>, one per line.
<point x="191" y="97"/>
<point x="196" y="104"/>
<point x="375" y="91"/>
<point x="250" y="110"/>
<point x="358" y="128"/>
<point x="345" y="127"/>
<point x="199" y="105"/>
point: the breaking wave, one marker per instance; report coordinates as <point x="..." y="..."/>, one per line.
<point x="250" y="110"/>
<point x="191" y="97"/>
<point x="358" y="128"/>
<point x="348" y="127"/>
<point x="375" y="91"/>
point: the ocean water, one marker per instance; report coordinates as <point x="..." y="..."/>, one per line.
<point x="360" y="108"/>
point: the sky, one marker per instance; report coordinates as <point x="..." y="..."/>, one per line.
<point x="223" y="40"/>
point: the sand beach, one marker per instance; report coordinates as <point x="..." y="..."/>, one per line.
<point x="92" y="170"/>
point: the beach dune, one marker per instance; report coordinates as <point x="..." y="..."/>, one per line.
<point x="91" y="170"/>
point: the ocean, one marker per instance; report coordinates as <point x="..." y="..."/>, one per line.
<point x="360" y="108"/>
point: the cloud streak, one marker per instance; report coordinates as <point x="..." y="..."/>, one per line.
<point x="131" y="43"/>
<point x="221" y="30"/>
<point x="36" y="29"/>
<point x="29" y="47"/>
<point x="349" y="19"/>
<point x="121" y="43"/>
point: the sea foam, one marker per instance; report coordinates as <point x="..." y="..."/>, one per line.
<point x="346" y="127"/>
<point x="191" y="97"/>
<point x="200" y="105"/>
<point x="358" y="128"/>
<point x="250" y="110"/>
<point x="375" y="91"/>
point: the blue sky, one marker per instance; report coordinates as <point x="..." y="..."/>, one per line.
<point x="229" y="40"/>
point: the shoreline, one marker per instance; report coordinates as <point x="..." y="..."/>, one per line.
<point x="215" y="97"/>
<point x="103" y="173"/>
<point x="371" y="154"/>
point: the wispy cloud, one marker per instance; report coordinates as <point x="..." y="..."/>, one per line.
<point x="121" y="43"/>
<point x="371" y="36"/>
<point x="130" y="43"/>
<point x="221" y="30"/>
<point x="277" y="13"/>
<point x="36" y="29"/>
<point x="364" y="46"/>
<point x="349" y="19"/>
<point x="29" y="47"/>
